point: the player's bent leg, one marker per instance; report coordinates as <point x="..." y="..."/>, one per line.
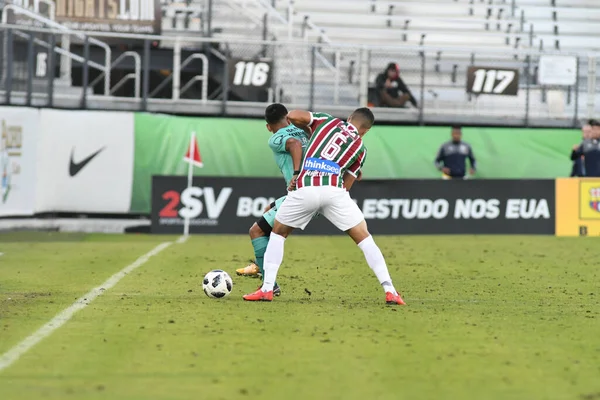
<point x="359" y="232"/>
<point x="281" y="229"/>
<point x="296" y="212"/>
<point x="256" y="231"/>
<point x="259" y="243"/>
<point x="274" y="257"/>
<point x="343" y="212"/>
<point x="266" y="225"/>
<point x="361" y="236"/>
<point x="259" y="235"/>
<point x="273" y="260"/>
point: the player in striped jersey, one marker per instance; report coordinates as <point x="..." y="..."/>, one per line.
<point x="331" y="163"/>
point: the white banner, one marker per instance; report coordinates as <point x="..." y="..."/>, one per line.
<point x="85" y="162"/>
<point x="557" y="70"/>
<point x="19" y="132"/>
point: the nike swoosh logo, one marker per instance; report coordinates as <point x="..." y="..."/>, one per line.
<point x="74" y="167"/>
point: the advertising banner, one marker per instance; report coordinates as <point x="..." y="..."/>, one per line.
<point x="19" y="129"/>
<point x="231" y="205"/>
<point x="238" y="147"/>
<point x="122" y="16"/>
<point x="227" y="147"/>
<point x="85" y="162"/>
<point x="578" y="207"/>
<point x="103" y="162"/>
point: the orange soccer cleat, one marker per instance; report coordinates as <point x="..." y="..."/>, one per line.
<point x="259" y="295"/>
<point x="391" y="298"/>
<point x="250" y="270"/>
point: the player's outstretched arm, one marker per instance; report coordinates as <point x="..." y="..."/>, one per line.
<point x="294" y="147"/>
<point x="300" y="118"/>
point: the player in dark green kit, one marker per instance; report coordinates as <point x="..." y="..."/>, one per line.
<point x="288" y="144"/>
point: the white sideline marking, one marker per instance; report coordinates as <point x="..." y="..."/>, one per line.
<point x="1" y="254"/>
<point x="12" y="355"/>
<point x="183" y="239"/>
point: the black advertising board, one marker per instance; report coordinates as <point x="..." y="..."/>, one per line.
<point x="250" y="79"/>
<point x="495" y="81"/>
<point x="458" y="206"/>
<point x="232" y="205"/>
<point x="216" y="205"/>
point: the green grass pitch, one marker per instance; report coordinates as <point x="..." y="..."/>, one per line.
<point x="487" y="318"/>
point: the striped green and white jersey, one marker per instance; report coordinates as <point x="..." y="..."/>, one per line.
<point x="334" y="149"/>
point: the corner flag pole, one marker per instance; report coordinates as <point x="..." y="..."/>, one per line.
<point x="186" y="223"/>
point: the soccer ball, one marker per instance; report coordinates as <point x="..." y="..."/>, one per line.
<point x="217" y="284"/>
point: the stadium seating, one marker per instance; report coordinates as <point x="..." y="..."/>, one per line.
<point x="472" y="23"/>
<point x="451" y="35"/>
<point x="406" y="23"/>
<point x="476" y="27"/>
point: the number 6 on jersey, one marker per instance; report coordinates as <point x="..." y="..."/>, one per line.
<point x="334" y="146"/>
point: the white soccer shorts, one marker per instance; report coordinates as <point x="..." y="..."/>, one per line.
<point x="333" y="203"/>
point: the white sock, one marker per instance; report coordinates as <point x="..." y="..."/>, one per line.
<point x="377" y="263"/>
<point x="273" y="259"/>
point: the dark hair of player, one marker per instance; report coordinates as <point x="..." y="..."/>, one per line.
<point x="456" y="127"/>
<point x="364" y="117"/>
<point x="275" y="113"/>
<point x="593" y="122"/>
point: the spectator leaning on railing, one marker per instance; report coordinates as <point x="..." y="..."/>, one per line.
<point x="452" y="157"/>
<point x="590" y="150"/>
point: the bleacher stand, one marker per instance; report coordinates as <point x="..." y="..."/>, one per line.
<point x="474" y="27"/>
<point x="433" y="41"/>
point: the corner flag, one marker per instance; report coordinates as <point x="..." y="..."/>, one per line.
<point x="192" y="157"/>
<point x="193" y="153"/>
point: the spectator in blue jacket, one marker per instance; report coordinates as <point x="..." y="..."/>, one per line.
<point x="590" y="150"/>
<point x="578" y="169"/>
<point x="452" y="157"/>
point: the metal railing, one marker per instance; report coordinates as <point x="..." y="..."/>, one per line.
<point x="65" y="41"/>
<point x="178" y="66"/>
<point x="309" y="75"/>
<point x="135" y="75"/>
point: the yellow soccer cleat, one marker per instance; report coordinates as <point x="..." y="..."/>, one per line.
<point x="249" y="270"/>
